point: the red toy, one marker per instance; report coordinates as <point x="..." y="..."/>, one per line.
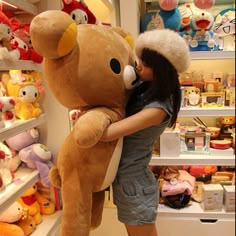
<point x="79" y="12"/>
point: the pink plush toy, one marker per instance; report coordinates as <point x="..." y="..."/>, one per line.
<point x="204" y="4"/>
<point x="168" y="5"/>
<point x="79" y="12"/>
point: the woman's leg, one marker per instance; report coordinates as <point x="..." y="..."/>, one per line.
<point x="141" y="230"/>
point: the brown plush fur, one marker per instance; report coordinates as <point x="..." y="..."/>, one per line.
<point x="81" y="69"/>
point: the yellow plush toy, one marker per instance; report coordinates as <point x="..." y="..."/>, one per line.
<point x="84" y="67"/>
<point x="29" y="201"/>
<point x="27" y="90"/>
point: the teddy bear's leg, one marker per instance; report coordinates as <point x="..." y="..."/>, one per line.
<point x="77" y="205"/>
<point x="97" y="209"/>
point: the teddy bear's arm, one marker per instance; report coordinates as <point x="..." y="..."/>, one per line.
<point x="89" y="128"/>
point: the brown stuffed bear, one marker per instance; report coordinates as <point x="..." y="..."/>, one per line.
<point x="84" y="67"/>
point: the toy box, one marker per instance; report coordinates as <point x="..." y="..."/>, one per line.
<point x="212" y="197"/>
<point x="195" y="143"/>
<point x="229" y="197"/>
<point x="212" y="99"/>
<point x="170" y="144"/>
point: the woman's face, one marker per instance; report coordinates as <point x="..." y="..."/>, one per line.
<point x="145" y="72"/>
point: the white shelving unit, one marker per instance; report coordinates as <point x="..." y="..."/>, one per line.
<point x="25" y="177"/>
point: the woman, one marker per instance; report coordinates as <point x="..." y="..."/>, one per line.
<point x="153" y="106"/>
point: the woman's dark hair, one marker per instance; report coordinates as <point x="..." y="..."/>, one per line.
<point x="164" y="86"/>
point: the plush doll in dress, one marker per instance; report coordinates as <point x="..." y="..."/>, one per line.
<point x="27" y="90"/>
<point x="84" y="68"/>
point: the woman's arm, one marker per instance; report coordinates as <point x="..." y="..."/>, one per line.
<point x="141" y="120"/>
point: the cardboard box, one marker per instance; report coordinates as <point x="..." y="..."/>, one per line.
<point x="170" y="144"/>
<point x="213" y="100"/>
<point x="212" y="197"/>
<point x="229" y="197"/>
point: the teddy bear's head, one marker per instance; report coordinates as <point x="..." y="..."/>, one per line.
<point x="84" y="65"/>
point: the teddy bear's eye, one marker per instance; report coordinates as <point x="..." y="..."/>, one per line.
<point x="86" y="18"/>
<point x="115" y="66"/>
<point x="73" y="16"/>
<point x="36" y="94"/>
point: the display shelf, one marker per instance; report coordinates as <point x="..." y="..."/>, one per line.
<point x="24" y="6"/>
<point x="193" y="210"/>
<point x="19" y="126"/>
<point x="24" y="179"/>
<point x="193" y="160"/>
<point x="212" y="55"/>
<point x="198" y="111"/>
<point x="20" y="64"/>
<point x="48" y="225"/>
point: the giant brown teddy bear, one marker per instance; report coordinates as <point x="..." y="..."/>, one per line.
<point x="84" y="67"/>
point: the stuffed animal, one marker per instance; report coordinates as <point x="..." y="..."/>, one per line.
<point x="201" y="37"/>
<point x="204" y="4"/>
<point x="224" y="27"/>
<point x="79" y="12"/>
<point x="85" y="166"/>
<point x="6" y="51"/>
<point x="27" y="224"/>
<point x="8" y="220"/>
<point x="171" y="18"/>
<point x="5" y="157"/>
<point x="29" y="201"/>
<point x="27" y="90"/>
<point x="7" y="105"/>
<point x="37" y="156"/>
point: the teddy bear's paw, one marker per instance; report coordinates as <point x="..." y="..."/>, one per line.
<point x="54" y="177"/>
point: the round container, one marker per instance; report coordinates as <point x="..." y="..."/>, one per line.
<point x="220" y="144"/>
<point x="215" y="131"/>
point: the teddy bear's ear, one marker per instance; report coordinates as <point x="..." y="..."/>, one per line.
<point x="126" y="35"/>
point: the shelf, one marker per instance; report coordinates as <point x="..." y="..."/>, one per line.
<point x="194" y="160"/>
<point x="23" y="5"/>
<point x="194" y="210"/>
<point x="48" y="225"/>
<point x="209" y="55"/>
<point x="20" y="64"/>
<point x="20" y="126"/>
<point x="24" y="179"/>
<point x="198" y="111"/>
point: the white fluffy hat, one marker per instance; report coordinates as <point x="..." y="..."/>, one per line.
<point x="168" y="43"/>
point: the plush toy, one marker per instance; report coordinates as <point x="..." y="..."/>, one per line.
<point x="27" y="224"/>
<point x="79" y="12"/>
<point x="37" y="156"/>
<point x="6" y="51"/>
<point x="8" y="219"/>
<point x="168" y="4"/>
<point x="204" y="4"/>
<point x="7" y="105"/>
<point x="201" y="37"/>
<point x="224" y="27"/>
<point x="27" y="90"/>
<point x="5" y="157"/>
<point x="29" y="201"/>
<point x="171" y="18"/>
<point x="23" y="139"/>
<point x="21" y="41"/>
<point x="85" y="166"/>
<point x="150" y="21"/>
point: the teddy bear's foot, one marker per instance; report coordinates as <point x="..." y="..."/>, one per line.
<point x="54" y="177"/>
